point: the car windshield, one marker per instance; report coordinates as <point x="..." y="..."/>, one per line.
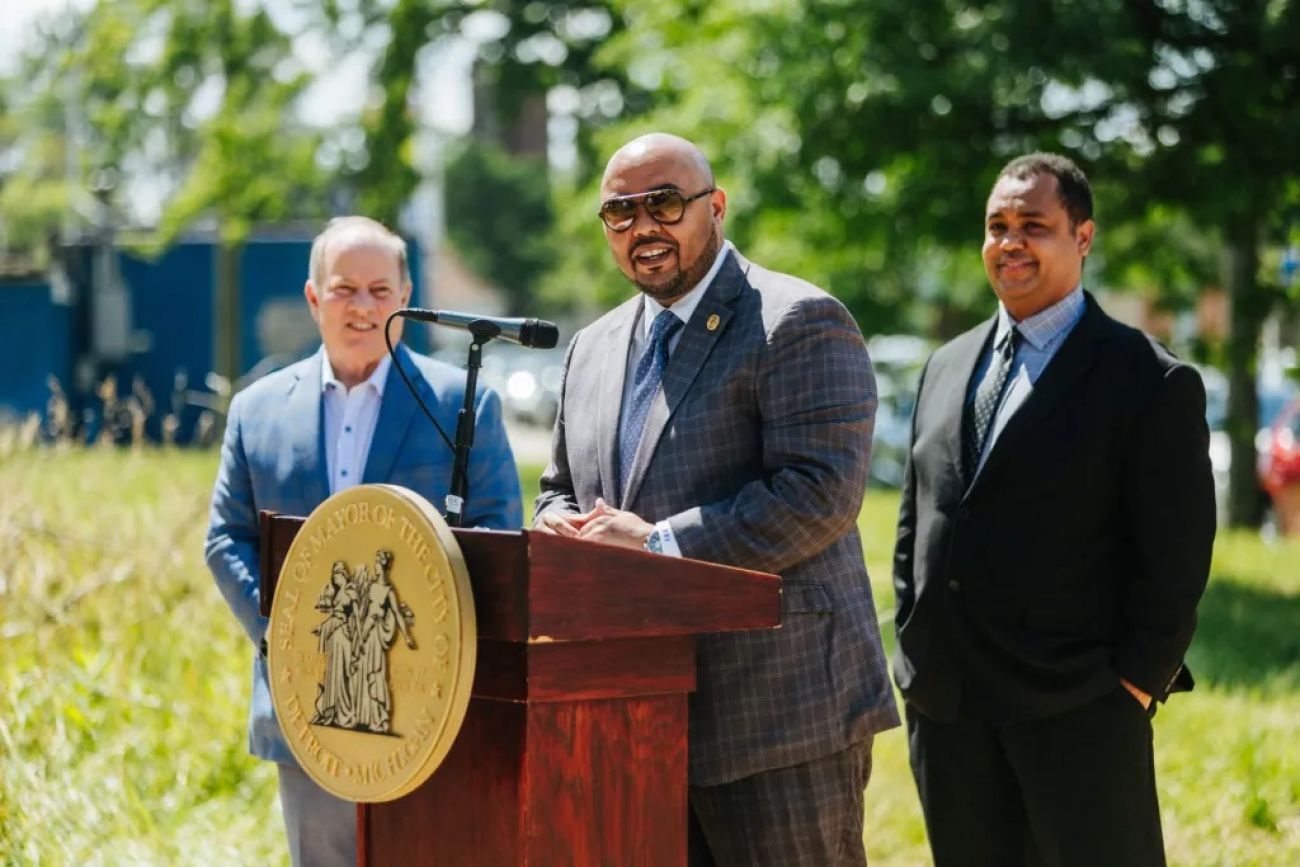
<point x="1272" y="399"/>
<point x="1271" y="404"/>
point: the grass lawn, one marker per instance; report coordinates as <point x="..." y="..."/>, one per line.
<point x="124" y="685"/>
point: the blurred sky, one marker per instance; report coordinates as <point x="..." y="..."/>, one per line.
<point x="343" y="82"/>
<point x="443" y="96"/>
<point x="14" y="23"/>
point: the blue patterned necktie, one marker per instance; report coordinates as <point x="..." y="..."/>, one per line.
<point x="979" y="415"/>
<point x="645" y="383"/>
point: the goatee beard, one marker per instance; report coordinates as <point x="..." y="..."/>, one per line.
<point x="685" y="280"/>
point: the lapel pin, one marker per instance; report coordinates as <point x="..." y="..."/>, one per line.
<point x="714" y="321"/>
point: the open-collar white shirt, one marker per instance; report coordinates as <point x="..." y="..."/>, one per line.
<point x="683" y="309"/>
<point x="350" y="419"/>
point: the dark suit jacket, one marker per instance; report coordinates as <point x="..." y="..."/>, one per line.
<point x="756" y="452"/>
<point x="1080" y="551"/>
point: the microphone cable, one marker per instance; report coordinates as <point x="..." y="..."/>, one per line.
<point x="392" y="353"/>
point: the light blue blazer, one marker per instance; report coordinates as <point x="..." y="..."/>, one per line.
<point x="273" y="458"/>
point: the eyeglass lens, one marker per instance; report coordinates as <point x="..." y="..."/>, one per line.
<point x="665" y="206"/>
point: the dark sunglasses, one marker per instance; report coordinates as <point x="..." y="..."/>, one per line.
<point x="666" y="206"/>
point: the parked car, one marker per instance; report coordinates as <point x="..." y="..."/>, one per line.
<point x="528" y="380"/>
<point x="1273" y="395"/>
<point x="897" y="360"/>
<point x="1216" y="415"/>
<point x="1279" y="471"/>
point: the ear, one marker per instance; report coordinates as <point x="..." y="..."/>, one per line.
<point x="1083" y="234"/>
<point x="407" y="288"/>
<point x="313" y="301"/>
<point x="718" y="202"/>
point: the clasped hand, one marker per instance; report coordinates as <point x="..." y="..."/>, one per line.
<point x="603" y="523"/>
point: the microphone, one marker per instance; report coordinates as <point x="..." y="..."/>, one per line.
<point x="533" y="333"/>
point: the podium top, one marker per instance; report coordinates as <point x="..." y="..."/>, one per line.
<point x="534" y="588"/>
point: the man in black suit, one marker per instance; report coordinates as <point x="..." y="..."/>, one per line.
<point x="1053" y="541"/>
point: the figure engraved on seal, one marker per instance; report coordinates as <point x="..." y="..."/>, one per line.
<point x="362" y="618"/>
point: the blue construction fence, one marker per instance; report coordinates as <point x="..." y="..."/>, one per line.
<point x="47" y="333"/>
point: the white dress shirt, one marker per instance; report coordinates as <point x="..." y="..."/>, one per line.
<point x="683" y="308"/>
<point x="350" y="418"/>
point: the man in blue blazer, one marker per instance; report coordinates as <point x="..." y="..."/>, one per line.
<point x="336" y="419"/>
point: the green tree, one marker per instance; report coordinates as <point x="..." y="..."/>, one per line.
<point x="250" y="162"/>
<point x="499" y="215"/>
<point x="541" y="46"/>
<point x="192" y="100"/>
<point x="861" y="137"/>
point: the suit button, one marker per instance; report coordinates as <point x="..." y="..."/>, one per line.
<point x="954" y="586"/>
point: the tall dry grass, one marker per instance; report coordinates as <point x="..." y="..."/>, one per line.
<point x="123" y="679"/>
<point x="124" y="684"/>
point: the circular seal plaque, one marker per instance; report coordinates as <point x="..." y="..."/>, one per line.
<point x="371" y="643"/>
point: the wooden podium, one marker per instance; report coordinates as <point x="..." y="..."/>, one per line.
<point x="573" y="751"/>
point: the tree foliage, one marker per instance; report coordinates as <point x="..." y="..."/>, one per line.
<point x="499" y="216"/>
<point x="857" y="138"/>
<point x="538" y="46"/>
<point x="191" y="100"/>
<point x="860" y="137"/>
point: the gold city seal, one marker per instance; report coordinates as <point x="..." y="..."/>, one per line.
<point x="372" y="643"/>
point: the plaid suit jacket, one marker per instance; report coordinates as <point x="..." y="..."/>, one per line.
<point x="756" y="452"/>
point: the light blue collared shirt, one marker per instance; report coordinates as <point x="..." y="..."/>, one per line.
<point x="1041" y="336"/>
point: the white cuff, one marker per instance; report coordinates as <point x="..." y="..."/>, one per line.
<point x="668" y="540"/>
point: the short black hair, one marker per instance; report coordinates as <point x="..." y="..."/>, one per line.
<point x="1071" y="182"/>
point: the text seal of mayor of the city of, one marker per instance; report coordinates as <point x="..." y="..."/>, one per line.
<point x="371" y="643"/>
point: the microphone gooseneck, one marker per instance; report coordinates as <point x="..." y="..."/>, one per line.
<point x="533" y="333"/>
<point x="530" y="332"/>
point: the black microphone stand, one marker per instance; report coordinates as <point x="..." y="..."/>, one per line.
<point x="482" y="331"/>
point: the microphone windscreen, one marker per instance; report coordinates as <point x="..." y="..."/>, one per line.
<point x="539" y="334"/>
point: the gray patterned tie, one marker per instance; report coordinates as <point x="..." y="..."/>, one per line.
<point x="645" y="382"/>
<point x="977" y="421"/>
